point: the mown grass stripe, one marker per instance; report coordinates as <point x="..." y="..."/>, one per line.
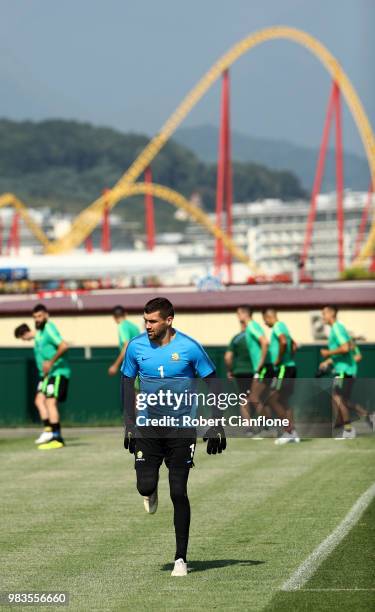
<point x="306" y="570"/>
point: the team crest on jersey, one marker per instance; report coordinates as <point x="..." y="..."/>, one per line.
<point x="139" y="455"/>
<point x="175" y="356"/>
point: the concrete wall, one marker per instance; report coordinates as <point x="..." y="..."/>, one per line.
<point x="211" y="329"/>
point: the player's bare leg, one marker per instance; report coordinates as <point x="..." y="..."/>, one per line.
<point x="40" y="403"/>
<point x="245" y="409"/>
<point x="258" y="388"/>
<point x="283" y="412"/>
<point x="343" y="413"/>
<point x="54" y="418"/>
<point x="362" y="413"/>
<point x="257" y="405"/>
<point x="53" y="410"/>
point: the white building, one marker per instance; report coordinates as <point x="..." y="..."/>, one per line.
<point x="56" y="224"/>
<point x="273" y="233"/>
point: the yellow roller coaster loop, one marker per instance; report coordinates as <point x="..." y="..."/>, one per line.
<point x="194" y="212"/>
<point x="9" y="199"/>
<point x="87" y="220"/>
<point x="91" y="216"/>
<point x="128" y="190"/>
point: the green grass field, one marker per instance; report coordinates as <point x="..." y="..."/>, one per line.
<point x="72" y="520"/>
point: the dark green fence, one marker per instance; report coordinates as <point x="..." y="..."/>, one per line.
<point x="94" y="397"/>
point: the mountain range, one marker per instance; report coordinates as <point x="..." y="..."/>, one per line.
<point x="65" y="165"/>
<point x="276" y="155"/>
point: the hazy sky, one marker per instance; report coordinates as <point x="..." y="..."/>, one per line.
<point x="128" y="64"/>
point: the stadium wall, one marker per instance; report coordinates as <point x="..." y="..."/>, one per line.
<point x="209" y="328"/>
<point x="94" y="397"/>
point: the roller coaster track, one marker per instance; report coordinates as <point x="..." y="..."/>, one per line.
<point x="158" y="191"/>
<point x="90" y="217"/>
<point x="9" y="199"/>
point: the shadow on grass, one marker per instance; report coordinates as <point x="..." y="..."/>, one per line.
<point x="76" y="442"/>
<point x="202" y="566"/>
<point x="70" y="444"/>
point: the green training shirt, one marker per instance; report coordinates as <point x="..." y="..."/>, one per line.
<point x="241" y="358"/>
<point x="281" y="329"/>
<point x="344" y="363"/>
<point x="126" y="331"/>
<point x="38" y="359"/>
<point x="253" y="332"/>
<point x="46" y="342"/>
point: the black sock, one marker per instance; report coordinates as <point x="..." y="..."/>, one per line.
<point x="56" y="428"/>
<point x="177" y="481"/>
<point x="46" y="423"/>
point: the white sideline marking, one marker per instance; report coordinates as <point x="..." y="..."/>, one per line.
<point x="311" y="564"/>
<point x="320" y="590"/>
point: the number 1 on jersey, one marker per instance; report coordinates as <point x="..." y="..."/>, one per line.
<point x="161" y="370"/>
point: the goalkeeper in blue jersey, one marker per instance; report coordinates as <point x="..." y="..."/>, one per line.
<point x="160" y="356"/>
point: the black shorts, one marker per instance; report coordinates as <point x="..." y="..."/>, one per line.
<point x="175" y="451"/>
<point x="40" y="385"/>
<point x="262" y="381"/>
<point x="267" y="372"/>
<point x="244" y="382"/>
<point x="342" y="385"/>
<point x="57" y="387"/>
<point x="285" y="380"/>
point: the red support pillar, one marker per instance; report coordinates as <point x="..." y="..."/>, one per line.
<point x="318" y="178"/>
<point x="224" y="193"/>
<point x="228" y="193"/>
<point x="14" y="234"/>
<point x="88" y="245"/>
<point x="220" y="187"/>
<point x="363" y="222"/>
<point x="339" y="179"/>
<point x="106" y="227"/>
<point x="149" y="213"/>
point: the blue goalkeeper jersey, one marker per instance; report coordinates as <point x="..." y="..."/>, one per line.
<point x="172" y="367"/>
<point x="183" y="357"/>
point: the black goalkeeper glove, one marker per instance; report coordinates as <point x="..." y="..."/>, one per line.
<point x="129" y="439"/>
<point x="216" y="440"/>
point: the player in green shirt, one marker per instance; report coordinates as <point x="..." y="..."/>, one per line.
<point x="340" y="355"/>
<point x="237" y="358"/>
<point x="56" y="371"/>
<point x="54" y="374"/>
<point x="282" y="349"/>
<point x="126" y="331"/>
<point x="23" y="332"/>
<point x="258" y="348"/>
